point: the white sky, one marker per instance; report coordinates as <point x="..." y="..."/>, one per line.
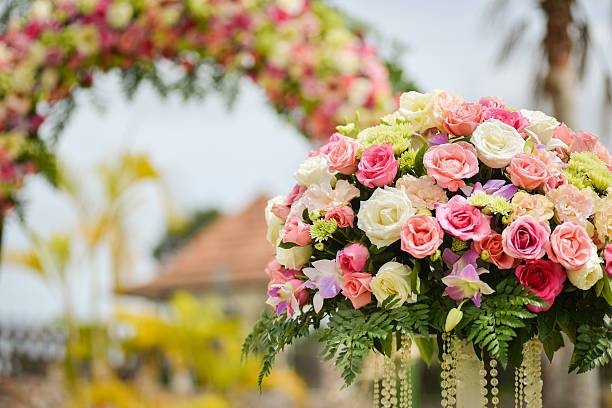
<point x="212" y="157"/>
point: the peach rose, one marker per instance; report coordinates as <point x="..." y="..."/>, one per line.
<point x="357" y="288"/>
<point x="450" y="163"/>
<point x="463" y="119"/>
<point x="296" y="231"/>
<point x="570" y="245"/>
<point x="555" y="180"/>
<point x="492" y="243"/>
<point x="442" y="102"/>
<point x="527" y="172"/>
<point x="344" y="216"/>
<point x="342" y="153"/>
<point x="352" y="258"/>
<point x="421" y="236"/>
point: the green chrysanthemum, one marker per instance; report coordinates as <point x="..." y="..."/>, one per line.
<point x="587" y="170"/>
<point x="490" y="204"/>
<point x="399" y="135"/>
<point x="321" y="230"/>
<point x="407" y="161"/>
<point x="499" y="205"/>
<point x="459" y="245"/>
<point x="479" y="199"/>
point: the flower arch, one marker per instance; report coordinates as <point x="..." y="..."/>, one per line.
<point x="314" y="68"/>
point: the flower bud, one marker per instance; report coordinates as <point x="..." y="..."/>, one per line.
<point x="452" y="319"/>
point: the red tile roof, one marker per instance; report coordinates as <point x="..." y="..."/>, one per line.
<point x="230" y="252"/>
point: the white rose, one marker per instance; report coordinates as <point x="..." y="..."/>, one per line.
<point x="41" y="10"/>
<point x="314" y="170"/>
<point x="280" y="54"/>
<point x="295" y="257"/>
<point x="393" y="279"/>
<point x="359" y="91"/>
<point x="541" y="128"/>
<point x="119" y="14"/>
<point x="383" y="215"/>
<point x="587" y="276"/>
<point x="417" y="108"/>
<point x="291" y="7"/>
<point x="497" y="143"/>
<point x="273" y="223"/>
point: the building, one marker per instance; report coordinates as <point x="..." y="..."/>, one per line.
<point x="227" y="257"/>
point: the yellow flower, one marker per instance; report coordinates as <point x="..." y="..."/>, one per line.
<point x="603" y="218"/>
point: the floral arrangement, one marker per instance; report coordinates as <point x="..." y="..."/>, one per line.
<point x="313" y="67"/>
<point x="449" y="221"/>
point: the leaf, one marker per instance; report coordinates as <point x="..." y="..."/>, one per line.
<point x="546" y="323"/>
<point x="552" y="343"/>
<point x="426" y="346"/>
<point x="593" y="347"/>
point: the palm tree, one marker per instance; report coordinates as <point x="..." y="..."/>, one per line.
<point x="564" y="51"/>
<point x="51" y="259"/>
<point x="101" y="225"/>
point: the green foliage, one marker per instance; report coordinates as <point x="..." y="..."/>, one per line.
<point x="593" y="347"/>
<point x="271" y="334"/>
<point x="493" y="326"/>
<point x="349" y="337"/>
<point x="351" y="333"/>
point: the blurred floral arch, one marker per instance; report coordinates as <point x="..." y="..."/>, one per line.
<point x="314" y="66"/>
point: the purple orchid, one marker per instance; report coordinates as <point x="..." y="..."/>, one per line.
<point x="327" y="278"/>
<point x="464" y="279"/>
<point x="492" y="187"/>
<point x="287" y="297"/>
<point x="440" y="138"/>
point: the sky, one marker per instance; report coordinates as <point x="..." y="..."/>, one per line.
<point x="212" y="157"/>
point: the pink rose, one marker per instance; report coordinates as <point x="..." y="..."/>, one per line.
<point x="527" y="172"/>
<point x="421" y="236"/>
<point x="296" y="231"/>
<point x="463" y="119"/>
<point x="281" y="211"/>
<point x="378" y="166"/>
<point x="492" y="102"/>
<point x="462" y="220"/>
<point x="449" y="163"/>
<point x="608" y="258"/>
<point x="295" y="194"/>
<point x="514" y="119"/>
<point x="342" y="153"/>
<point x="352" y="258"/>
<point x="544" y="278"/>
<point x="357" y="288"/>
<point x="555" y="180"/>
<point x="570" y="245"/>
<point x="585" y="142"/>
<point x="526" y="238"/>
<point x="278" y="273"/>
<point x="492" y="243"/>
<point x="343" y="216"/>
<point x="565" y="134"/>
